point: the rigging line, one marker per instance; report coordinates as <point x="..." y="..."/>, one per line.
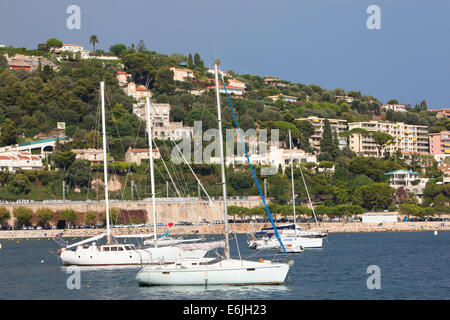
<point x="253" y="171"/>
<point x="117" y="129"/>
<point x="195" y="176"/>
<point x="171" y="179"/>
<point x="93" y="142"/>
<point x="174" y="168"/>
<point x="309" y="198"/>
<point x="135" y="143"/>
<point x="153" y="140"/>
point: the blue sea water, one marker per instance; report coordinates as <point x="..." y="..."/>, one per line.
<point x="413" y="265"/>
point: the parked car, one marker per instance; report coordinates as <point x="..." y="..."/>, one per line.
<point x="182" y="223"/>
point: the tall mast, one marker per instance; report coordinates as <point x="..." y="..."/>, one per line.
<point x="292" y="183"/>
<point x="105" y="162"/>
<point x="222" y="163"/>
<point x="152" y="178"/>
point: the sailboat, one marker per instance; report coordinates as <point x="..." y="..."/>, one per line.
<point x="221" y="271"/>
<point x="294" y="236"/>
<point x="88" y="253"/>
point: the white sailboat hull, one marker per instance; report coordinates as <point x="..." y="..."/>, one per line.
<point x="272" y="243"/>
<point x="225" y="272"/>
<point x="92" y="256"/>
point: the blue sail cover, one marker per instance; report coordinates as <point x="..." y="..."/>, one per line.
<point x="253" y="171"/>
<point x="164" y="234"/>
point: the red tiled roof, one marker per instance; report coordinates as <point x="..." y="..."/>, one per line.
<point x="228" y="87"/>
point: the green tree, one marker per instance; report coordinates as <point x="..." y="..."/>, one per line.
<point x="93" y="40"/>
<point x="117" y="49"/>
<point x="382" y="139"/>
<point x="114" y="216"/>
<point x="327" y="143"/>
<point x="70" y="216"/>
<point x="3" y="62"/>
<point x="410" y="209"/>
<point x="44" y="215"/>
<point x="64" y="159"/>
<point x="440" y="200"/>
<point x="8" y="133"/>
<point x="4" y="215"/>
<point x="376" y="196"/>
<point x="23" y="215"/>
<point x="141" y="46"/>
<point x="190" y="61"/>
<point x="54" y="43"/>
<point x="237" y="210"/>
<point x="90" y="218"/>
<point x="198" y="63"/>
<point x="78" y="174"/>
<point x="164" y="81"/>
<point x="18" y="184"/>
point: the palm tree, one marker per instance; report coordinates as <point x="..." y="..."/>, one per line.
<point x="93" y="39"/>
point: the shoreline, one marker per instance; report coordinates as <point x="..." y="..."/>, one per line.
<point x="330" y="227"/>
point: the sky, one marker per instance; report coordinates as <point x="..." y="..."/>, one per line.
<point x="323" y="42"/>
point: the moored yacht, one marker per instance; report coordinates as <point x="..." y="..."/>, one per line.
<point x="224" y="271"/>
<point x="88" y="253"/>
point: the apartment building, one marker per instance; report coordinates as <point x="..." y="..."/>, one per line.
<point x="337" y="126"/>
<point x="13" y="161"/>
<point x="408" y="138"/>
<point x="439" y="142"/>
<point x="162" y="127"/>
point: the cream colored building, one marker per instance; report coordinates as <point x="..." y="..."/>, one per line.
<point x="394" y="107"/>
<point x="90" y="154"/>
<point x="162" y="128"/>
<point x="236" y="83"/>
<point x="138" y="92"/>
<point x="74" y="48"/>
<point x="283" y="97"/>
<point x="134" y="155"/>
<point x="408" y="138"/>
<point x="182" y="74"/>
<point x="337" y="126"/>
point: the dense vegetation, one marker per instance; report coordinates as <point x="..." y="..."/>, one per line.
<point x="31" y="103"/>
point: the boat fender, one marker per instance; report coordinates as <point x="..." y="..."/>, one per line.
<point x="261" y="260"/>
